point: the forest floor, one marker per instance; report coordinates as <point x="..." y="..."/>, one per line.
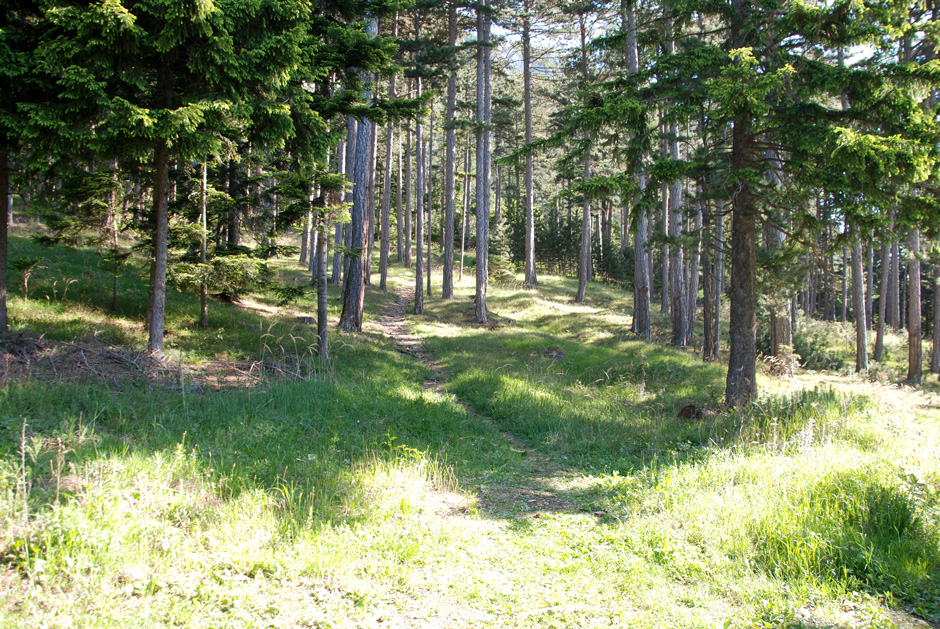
<point x="532" y="472"/>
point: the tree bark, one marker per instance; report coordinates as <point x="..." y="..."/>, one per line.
<point x="694" y="272"/>
<point x="664" y="303"/>
<point x="584" y="258"/>
<point x="718" y="280"/>
<point x="337" y="276"/>
<point x="858" y="305"/>
<point x="429" y="196"/>
<point x="530" y="281"/>
<point x="399" y="219"/>
<point x="450" y="167"/>
<point x="323" y="337"/>
<point x="305" y="239"/>
<point x="387" y="185"/>
<point x="882" y="301"/>
<point x="408" y="199"/>
<point x="484" y="115"/>
<point x="935" y="349"/>
<point x="465" y="219"/>
<point x="204" y="289"/>
<point x="354" y="289"/>
<point x="370" y="201"/>
<point x="741" y="386"/>
<point x="915" y="361"/>
<point x="156" y="309"/>
<point x="419" y="207"/>
<point x="708" y="286"/>
<point x="894" y="308"/>
<point x="4" y="234"/>
<point x="869" y="281"/>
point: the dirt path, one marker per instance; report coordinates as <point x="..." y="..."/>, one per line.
<point x="539" y="488"/>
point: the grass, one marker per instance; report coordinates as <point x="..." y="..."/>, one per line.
<point x="551" y="483"/>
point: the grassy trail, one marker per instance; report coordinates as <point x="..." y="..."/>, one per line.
<point x="437" y="473"/>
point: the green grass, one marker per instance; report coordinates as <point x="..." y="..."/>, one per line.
<point x="357" y="497"/>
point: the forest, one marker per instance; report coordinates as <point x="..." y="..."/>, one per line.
<point x="362" y="313"/>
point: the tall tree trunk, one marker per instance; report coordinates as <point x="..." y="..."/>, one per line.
<point x="935" y="348"/>
<point x="235" y="218"/>
<point x="408" y="201"/>
<point x="858" y="304"/>
<point x="305" y="239"/>
<point x="893" y="315"/>
<point x="915" y="360"/>
<point x="694" y="271"/>
<point x="584" y="258"/>
<point x="664" y="303"/>
<point x="337" y="276"/>
<point x="484" y="114"/>
<point x="845" y="285"/>
<point x="419" y="206"/>
<point x="465" y="224"/>
<point x="718" y="280"/>
<point x="323" y="338"/>
<point x="530" y="281"/>
<point x="355" y="288"/>
<point x="882" y="301"/>
<point x="708" y="285"/>
<point x="370" y="201"/>
<point x="204" y="289"/>
<point x="4" y="233"/>
<point x="429" y="197"/>
<point x="869" y="281"/>
<point x="387" y="182"/>
<point x="399" y="218"/>
<point x="450" y="166"/>
<point x="677" y="287"/>
<point x="352" y="147"/>
<point x="156" y="309"/>
<point x="741" y="386"/>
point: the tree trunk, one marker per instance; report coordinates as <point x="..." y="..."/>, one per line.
<point x="399" y="218"/>
<point x="370" y="201"/>
<point x="354" y="289"/>
<point x="408" y="192"/>
<point x="465" y="219"/>
<point x="741" y="386"/>
<point x="882" y="301"/>
<point x="235" y="219"/>
<point x="719" y="280"/>
<point x="204" y="289"/>
<point x="664" y="303"/>
<point x="584" y="258"/>
<point x="858" y="305"/>
<point x="419" y="207"/>
<point x="894" y="308"/>
<point x="694" y="272"/>
<point x="156" y="308"/>
<point x="708" y="286"/>
<point x="4" y="234"/>
<point x="484" y="114"/>
<point x="870" y="281"/>
<point x="352" y="146"/>
<point x="305" y="239"/>
<point x="450" y="158"/>
<point x="530" y="280"/>
<point x="915" y="361"/>
<point x="337" y="276"/>
<point x="323" y="338"/>
<point x="387" y="184"/>
<point x="429" y="197"/>
<point x="935" y="349"/>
